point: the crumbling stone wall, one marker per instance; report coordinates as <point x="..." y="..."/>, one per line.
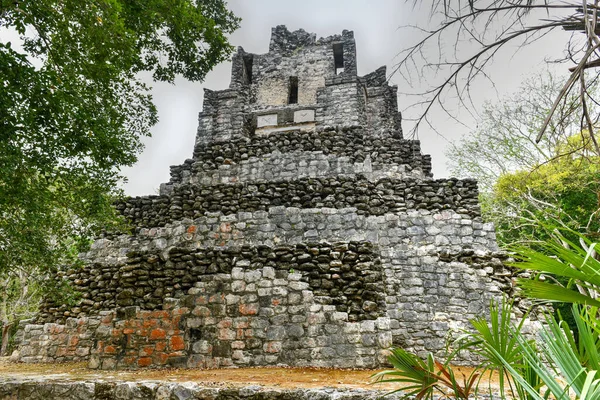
<point x="316" y="242"/>
<point x="223" y="117"/>
<point x="301" y="55"/>
<point x="325" y="152"/>
<point x="406" y="291"/>
<point x="384" y="196"/>
<point x="316" y="304"/>
<point x="342" y="102"/>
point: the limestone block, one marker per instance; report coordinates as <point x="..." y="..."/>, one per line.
<point x="266" y="120"/>
<point x="304" y="116"/>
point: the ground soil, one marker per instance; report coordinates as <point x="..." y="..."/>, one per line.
<point x="232" y="377"/>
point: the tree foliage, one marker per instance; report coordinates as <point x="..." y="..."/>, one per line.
<point x="504" y="139"/>
<point x="73" y="109"/>
<point x="523" y="182"/>
<point x="565" y="190"/>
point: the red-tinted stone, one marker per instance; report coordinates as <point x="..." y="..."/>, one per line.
<point x="161" y="358"/>
<point x="58" y="329"/>
<point x="225" y="227"/>
<point x="61" y="351"/>
<point x="180" y="311"/>
<point x="150" y="323"/>
<point x="226" y="334"/>
<point x="129" y="360"/>
<point x="225" y="323"/>
<point x="160" y="346"/>
<point x="249" y="309"/>
<point x="157" y="334"/>
<point x="160" y="314"/>
<point x="177" y="343"/>
<point x="272" y="347"/>
<point x="73" y="340"/>
<point x="241" y="324"/>
<point x="146" y="351"/>
<point x="144" y="361"/>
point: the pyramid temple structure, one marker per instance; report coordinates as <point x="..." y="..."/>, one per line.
<point x="304" y="231"/>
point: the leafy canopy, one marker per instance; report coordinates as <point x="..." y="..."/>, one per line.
<point x="565" y="190"/>
<point x="504" y="139"/>
<point x="522" y="181"/>
<point x="73" y="109"/>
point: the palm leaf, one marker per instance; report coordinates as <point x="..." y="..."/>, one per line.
<point x="536" y="261"/>
<point x="410" y="369"/>
<point x="496" y="341"/>
<point x="549" y="291"/>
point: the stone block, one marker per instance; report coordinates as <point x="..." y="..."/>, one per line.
<point x="304" y="116"/>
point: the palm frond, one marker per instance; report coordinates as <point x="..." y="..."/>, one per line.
<point x="553" y="292"/>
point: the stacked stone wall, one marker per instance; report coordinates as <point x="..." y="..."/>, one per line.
<point x="285" y="167"/>
<point x="321" y="247"/>
<point x="380" y="104"/>
<point x="346" y="275"/>
<point x="224" y="116"/>
<point x="249" y="314"/>
<point x="272" y="72"/>
<point x="341" y="102"/>
<point x="275" y="268"/>
<point x="370" y="198"/>
<point x="349" y="143"/>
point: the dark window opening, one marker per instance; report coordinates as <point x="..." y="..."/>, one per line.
<point x="248" y="59"/>
<point x="338" y="57"/>
<point x="293" y="97"/>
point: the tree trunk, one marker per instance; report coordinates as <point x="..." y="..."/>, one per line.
<point x="5" y="331"/>
<point x="4" y="317"/>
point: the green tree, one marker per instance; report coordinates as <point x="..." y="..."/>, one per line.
<point x="520" y="180"/>
<point x="73" y="109"/>
<point x="565" y="190"/>
<point x="504" y="139"/>
<point x="20" y="295"/>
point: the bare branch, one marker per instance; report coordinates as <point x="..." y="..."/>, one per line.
<point x="470" y="23"/>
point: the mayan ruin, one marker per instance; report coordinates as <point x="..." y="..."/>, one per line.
<point x="304" y="231"/>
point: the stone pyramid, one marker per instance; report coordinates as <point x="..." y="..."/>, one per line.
<point x="305" y="231"/>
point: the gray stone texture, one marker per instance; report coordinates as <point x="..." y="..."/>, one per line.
<point x="21" y="389"/>
<point x="311" y="244"/>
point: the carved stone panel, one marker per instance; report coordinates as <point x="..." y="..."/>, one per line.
<point x="266" y="120"/>
<point x="304" y="116"/>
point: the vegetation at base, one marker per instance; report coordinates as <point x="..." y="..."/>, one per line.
<point x="562" y="364"/>
<point x="527" y="187"/>
<point x="425" y="378"/>
<point x="73" y="110"/>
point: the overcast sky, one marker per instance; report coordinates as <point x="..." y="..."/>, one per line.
<point x="379" y="38"/>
